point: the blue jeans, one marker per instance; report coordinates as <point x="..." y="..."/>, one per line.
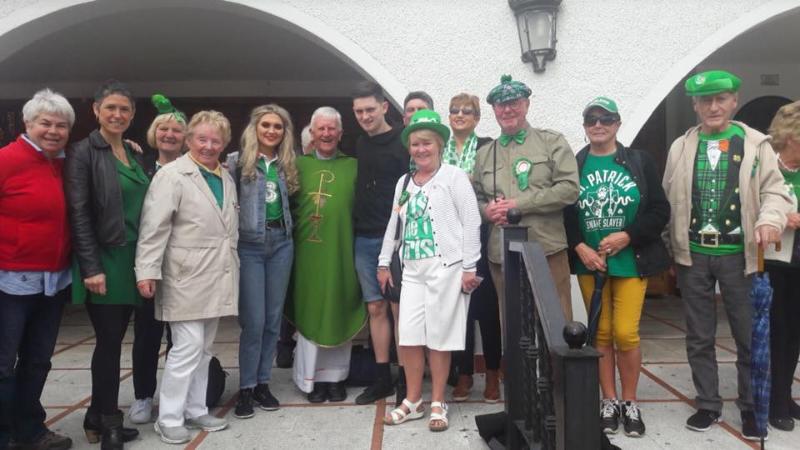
<point x="367" y="251"/>
<point x="28" y="331"/>
<point x="265" y="271"/>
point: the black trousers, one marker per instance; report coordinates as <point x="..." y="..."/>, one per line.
<point x="146" y="347"/>
<point x="784" y="318"/>
<point x="110" y="323"/>
<point x="483" y="307"/>
<point x="28" y="332"/>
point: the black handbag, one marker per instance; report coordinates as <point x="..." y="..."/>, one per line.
<point x="396" y="266"/>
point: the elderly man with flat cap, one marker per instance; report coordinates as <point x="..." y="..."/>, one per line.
<point x="530" y="169"/>
<point x="727" y="196"/>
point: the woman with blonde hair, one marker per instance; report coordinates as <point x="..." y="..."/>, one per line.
<point x="784" y="269"/>
<point x="186" y="259"/>
<point x="265" y="175"/>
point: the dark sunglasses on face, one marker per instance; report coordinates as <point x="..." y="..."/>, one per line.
<point x="605" y="120"/>
<point x="465" y="111"/>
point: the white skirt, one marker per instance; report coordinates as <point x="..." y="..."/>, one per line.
<point x="433" y="310"/>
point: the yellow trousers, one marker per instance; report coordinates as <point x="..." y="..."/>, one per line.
<point x="622" y="302"/>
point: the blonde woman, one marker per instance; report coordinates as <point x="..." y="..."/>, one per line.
<point x="266" y="176"/>
<point x="186" y="258"/>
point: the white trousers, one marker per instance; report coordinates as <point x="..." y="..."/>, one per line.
<point x="185" y="379"/>
<point x="313" y="363"/>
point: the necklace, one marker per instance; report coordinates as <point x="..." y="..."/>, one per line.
<point x="420" y="182"/>
<point x="787" y="168"/>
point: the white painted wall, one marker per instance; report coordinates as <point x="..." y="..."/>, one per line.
<point x="631" y="50"/>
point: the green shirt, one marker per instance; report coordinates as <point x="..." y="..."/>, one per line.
<point x="711" y="182"/>
<point x="792" y="180"/>
<point x="607" y="203"/>
<point x="274" y="206"/>
<point x="418" y="234"/>
<point x="214" y="182"/>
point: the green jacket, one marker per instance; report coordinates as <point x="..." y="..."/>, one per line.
<point x="552" y="185"/>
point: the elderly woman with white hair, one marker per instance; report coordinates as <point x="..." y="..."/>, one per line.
<point x="435" y="218"/>
<point x="34" y="267"/>
<point x="186" y="257"/>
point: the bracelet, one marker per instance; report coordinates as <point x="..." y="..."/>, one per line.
<point x="382" y="268"/>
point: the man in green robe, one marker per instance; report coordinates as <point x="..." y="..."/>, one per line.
<point x="326" y="304"/>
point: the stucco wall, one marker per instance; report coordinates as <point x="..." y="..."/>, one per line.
<point x="619" y="48"/>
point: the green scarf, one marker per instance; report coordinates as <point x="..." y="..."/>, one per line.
<point x="466" y="161"/>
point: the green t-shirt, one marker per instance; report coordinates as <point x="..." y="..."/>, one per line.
<point x="792" y="180"/>
<point x="711" y="181"/>
<point x="214" y="182"/>
<point x="607" y="203"/>
<point x="274" y="206"/>
<point x="418" y="234"/>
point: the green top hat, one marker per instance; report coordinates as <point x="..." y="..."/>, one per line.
<point x="425" y="119"/>
<point x="602" y="103"/>
<point x="711" y="83"/>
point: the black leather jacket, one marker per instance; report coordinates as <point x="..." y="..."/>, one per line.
<point x="651" y="217"/>
<point x="94" y="200"/>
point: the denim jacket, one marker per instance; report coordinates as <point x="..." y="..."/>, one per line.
<point x="252" y="202"/>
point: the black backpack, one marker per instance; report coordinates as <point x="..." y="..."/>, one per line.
<point x="216" y="382"/>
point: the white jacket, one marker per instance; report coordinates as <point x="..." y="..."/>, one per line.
<point x="454" y="217"/>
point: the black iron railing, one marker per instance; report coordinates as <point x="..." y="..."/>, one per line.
<point x="551" y="383"/>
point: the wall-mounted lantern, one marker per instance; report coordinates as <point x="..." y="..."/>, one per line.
<point x="536" y="24"/>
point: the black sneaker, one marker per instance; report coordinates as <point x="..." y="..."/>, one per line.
<point x="702" y="420"/>
<point x="750" y="429"/>
<point x="632" y="420"/>
<point x="264" y="398"/>
<point x="374" y="392"/>
<point x="244" y="405"/>
<point x="337" y="392"/>
<point x="609" y="415"/>
<point x="49" y="440"/>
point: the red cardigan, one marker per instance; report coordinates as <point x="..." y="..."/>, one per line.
<point x="34" y="231"/>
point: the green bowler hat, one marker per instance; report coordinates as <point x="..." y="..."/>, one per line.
<point x="507" y="91"/>
<point x="603" y="103"/>
<point x="711" y="83"/>
<point x="425" y="119"/>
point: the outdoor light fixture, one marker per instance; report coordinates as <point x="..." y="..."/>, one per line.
<point x="536" y="24"/>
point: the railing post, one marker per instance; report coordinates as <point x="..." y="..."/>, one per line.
<point x="512" y="328"/>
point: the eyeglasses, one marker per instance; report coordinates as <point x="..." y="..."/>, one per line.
<point x="605" y="120"/>
<point x="515" y="105"/>
<point x="464" y="111"/>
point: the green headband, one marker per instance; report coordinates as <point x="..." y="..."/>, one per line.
<point x="164" y="106"/>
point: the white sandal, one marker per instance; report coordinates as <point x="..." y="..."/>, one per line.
<point x="398" y="415"/>
<point x="438" y="416"/>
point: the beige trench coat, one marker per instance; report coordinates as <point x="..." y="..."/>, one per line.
<point x="188" y="244"/>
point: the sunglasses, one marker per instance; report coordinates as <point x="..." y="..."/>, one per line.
<point x="464" y="111"/>
<point x="605" y="120"/>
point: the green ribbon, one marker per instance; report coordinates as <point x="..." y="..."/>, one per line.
<point x="522" y="168"/>
<point x="403" y="198"/>
<point x="519" y="137"/>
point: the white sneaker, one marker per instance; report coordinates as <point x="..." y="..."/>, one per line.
<point x="141" y="411"/>
<point x="206" y="423"/>
<point x="172" y="435"/>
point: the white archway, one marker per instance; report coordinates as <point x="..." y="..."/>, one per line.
<point x="33" y="22"/>
<point x="635" y="122"/>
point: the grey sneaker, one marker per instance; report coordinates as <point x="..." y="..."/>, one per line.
<point x="172" y="435"/>
<point x="141" y="411"/>
<point x="206" y="423"/>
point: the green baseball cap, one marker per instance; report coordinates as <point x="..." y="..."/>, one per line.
<point x="507" y="91"/>
<point x="602" y="103"/>
<point x="712" y="82"/>
<point x="425" y="119"/>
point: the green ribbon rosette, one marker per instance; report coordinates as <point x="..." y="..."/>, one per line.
<point x="522" y="168"/>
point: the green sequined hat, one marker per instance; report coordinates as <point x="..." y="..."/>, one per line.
<point x="711" y="83"/>
<point x="164" y="106"/>
<point x="508" y="90"/>
<point x="425" y="119"/>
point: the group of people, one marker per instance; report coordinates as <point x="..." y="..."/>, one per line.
<point x="176" y="236"/>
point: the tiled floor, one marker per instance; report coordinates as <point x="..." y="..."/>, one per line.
<point x="665" y="391"/>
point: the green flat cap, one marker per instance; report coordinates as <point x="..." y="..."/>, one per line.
<point x="603" y="103"/>
<point x="711" y="83"/>
<point x="508" y="90"/>
<point x="425" y="119"/>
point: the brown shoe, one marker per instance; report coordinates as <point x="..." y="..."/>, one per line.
<point x="463" y="386"/>
<point x="491" y="393"/>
